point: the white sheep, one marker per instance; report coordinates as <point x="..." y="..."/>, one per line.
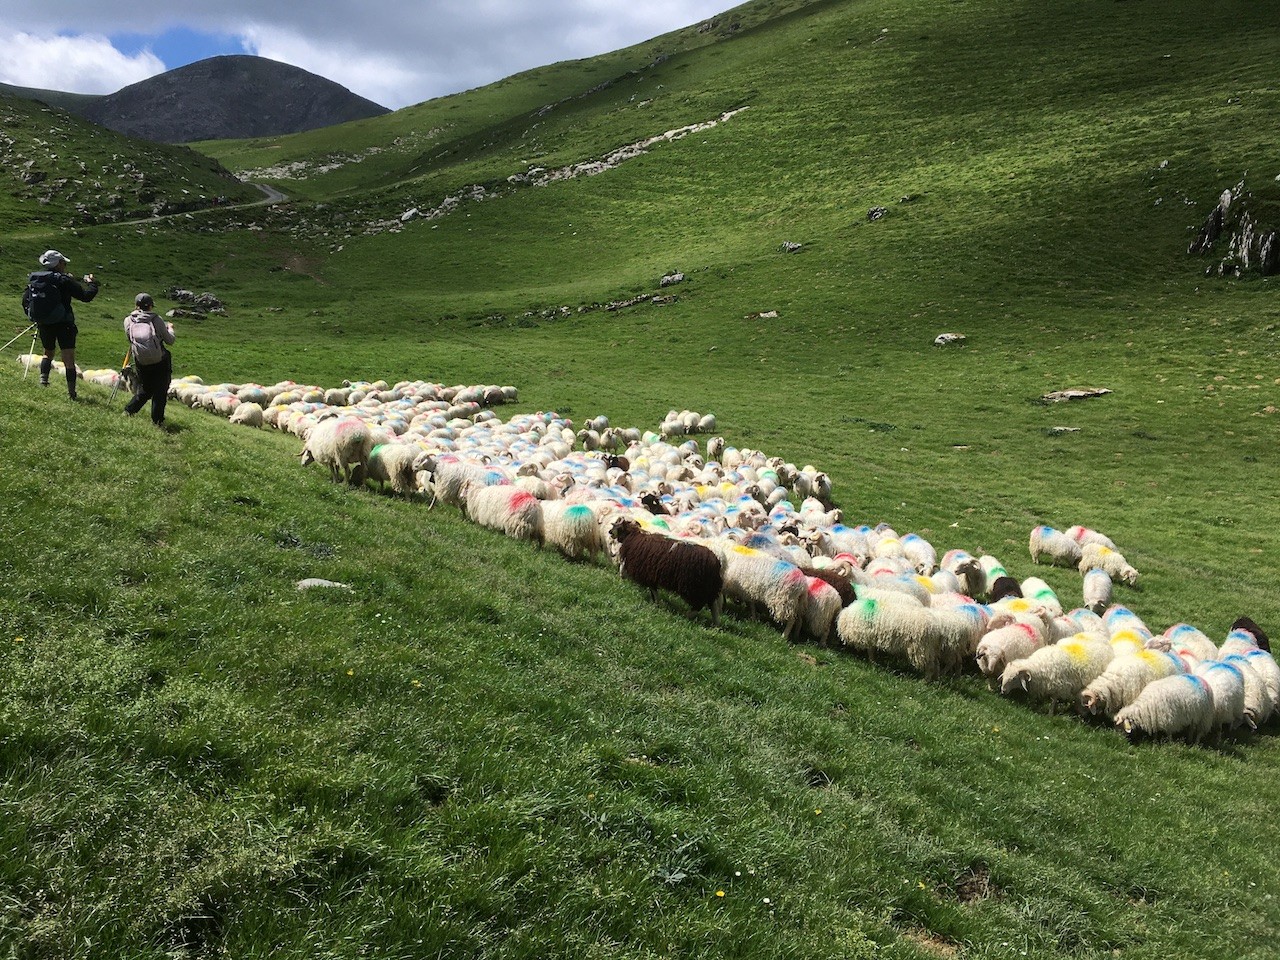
<point x="1058" y="673"/>
<point x="1015" y="631"/>
<point x="1085" y="536"/>
<point x="967" y="570"/>
<point x="1097" y="589"/>
<point x="1125" y="677"/>
<point x="1055" y="546"/>
<point x="392" y="464"/>
<point x="1268" y="670"/>
<point x="504" y="508"/>
<point x="248" y="414"/>
<point x="992" y="570"/>
<point x="574" y="529"/>
<point x="756" y="578"/>
<point x="821" y="607"/>
<point x="1180" y="704"/>
<point x="1041" y="594"/>
<point x="884" y="623"/>
<point x="1258" y="705"/>
<point x="921" y="553"/>
<point x="342" y="444"/>
<point x="1185" y="639"/>
<point x="1112" y="561"/>
<point x="1226" y="682"/>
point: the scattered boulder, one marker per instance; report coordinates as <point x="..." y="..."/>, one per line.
<point x="1075" y="393"/>
<point x="789" y="247"/>
<point x="877" y="213"/>
<point x="950" y="340"/>
<point x="316" y="583"/>
<point x="672" y="278"/>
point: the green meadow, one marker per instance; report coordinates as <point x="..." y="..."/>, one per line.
<point x="482" y="750"/>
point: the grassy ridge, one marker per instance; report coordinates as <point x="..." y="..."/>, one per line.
<point x="483" y="750"/>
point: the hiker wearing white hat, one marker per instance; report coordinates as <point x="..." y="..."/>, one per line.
<point x="47" y="303"/>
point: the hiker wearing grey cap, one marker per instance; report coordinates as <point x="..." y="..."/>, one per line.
<point x="148" y="333"/>
<point x="47" y="303"/>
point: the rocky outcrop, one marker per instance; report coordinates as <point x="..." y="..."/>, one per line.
<point x="1237" y="234"/>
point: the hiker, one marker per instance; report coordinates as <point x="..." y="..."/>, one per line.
<point x="47" y="302"/>
<point x="148" y="332"/>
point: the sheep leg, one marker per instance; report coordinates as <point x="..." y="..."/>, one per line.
<point x="717" y="605"/>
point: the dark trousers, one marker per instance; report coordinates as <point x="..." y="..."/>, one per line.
<point x="154" y="386"/>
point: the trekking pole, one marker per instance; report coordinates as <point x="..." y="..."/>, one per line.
<point x="30" y="353"/>
<point x="19" y="337"/>
<point x="127" y="354"/>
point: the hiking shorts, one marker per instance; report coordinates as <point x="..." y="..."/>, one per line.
<point x="62" y="335"/>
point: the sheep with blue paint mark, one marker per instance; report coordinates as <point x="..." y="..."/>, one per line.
<point x="1054" y="546"/>
<point x="573" y="529"/>
<point x="1226" y="683"/>
<point x="758" y="579"/>
<point x="1258" y="705"/>
<point x="1180" y="705"/>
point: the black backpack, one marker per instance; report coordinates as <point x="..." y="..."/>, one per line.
<point x="43" y="299"/>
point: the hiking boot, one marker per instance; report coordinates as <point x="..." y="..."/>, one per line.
<point x="72" y="394"/>
<point x="44" y="381"/>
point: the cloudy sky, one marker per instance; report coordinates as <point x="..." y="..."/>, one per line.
<point x="394" y="54"/>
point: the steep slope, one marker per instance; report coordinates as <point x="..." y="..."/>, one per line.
<point x="71" y="102"/>
<point x="484" y="751"/>
<point x="228" y="97"/>
<point x="58" y="170"/>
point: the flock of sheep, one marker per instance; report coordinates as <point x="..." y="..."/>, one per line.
<point x="715" y="523"/>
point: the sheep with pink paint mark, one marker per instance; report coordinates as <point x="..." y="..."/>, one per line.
<point x="1016" y="630"/>
<point x="342" y="444"/>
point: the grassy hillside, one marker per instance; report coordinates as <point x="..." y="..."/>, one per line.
<point x="60" y="172"/>
<point x="483" y="750"/>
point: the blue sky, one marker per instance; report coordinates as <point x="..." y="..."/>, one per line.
<point x="177" y="46"/>
<point x="395" y="56"/>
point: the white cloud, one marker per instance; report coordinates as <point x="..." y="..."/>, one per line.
<point x="368" y="72"/>
<point x="421" y="50"/>
<point x="82" y="64"/>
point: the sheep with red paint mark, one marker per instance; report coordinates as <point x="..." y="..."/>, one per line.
<point x="504" y="508"/>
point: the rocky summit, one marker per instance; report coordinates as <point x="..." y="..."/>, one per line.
<point x="230" y="97"/>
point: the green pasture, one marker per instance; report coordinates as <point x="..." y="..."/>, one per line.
<point x="482" y="750"/>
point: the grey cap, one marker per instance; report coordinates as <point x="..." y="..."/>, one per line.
<point x="144" y="301"/>
<point x="51" y="258"/>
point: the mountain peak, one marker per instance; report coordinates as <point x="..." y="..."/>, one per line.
<point x="229" y="97"/>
